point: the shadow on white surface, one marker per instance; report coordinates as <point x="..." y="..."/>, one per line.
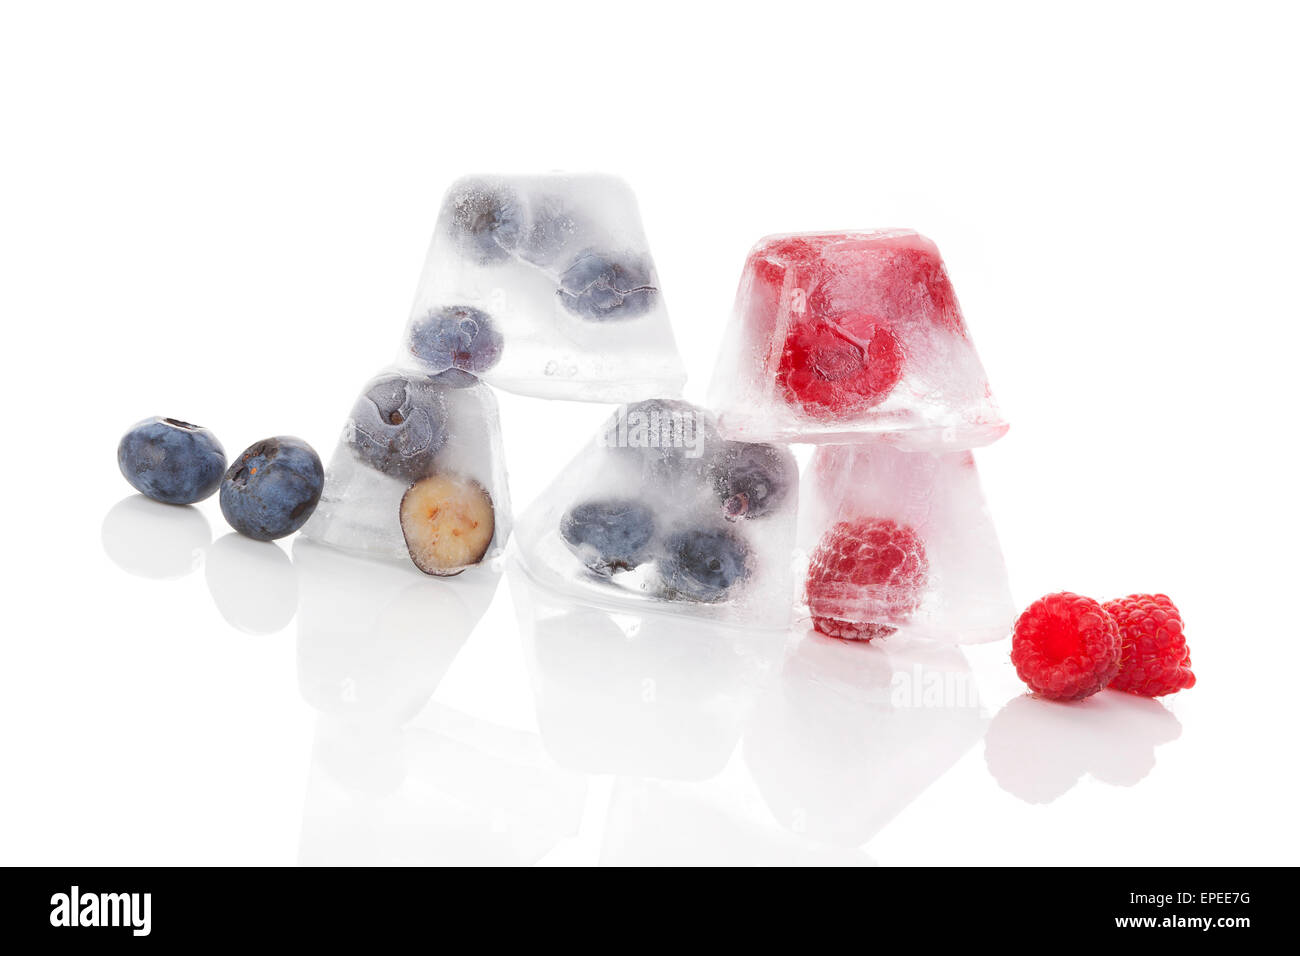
<point x="153" y="540"/>
<point x="1039" y="749"/>
<point x="253" y="583"/>
<point x="852" y="733"/>
<point x="638" y="693"/>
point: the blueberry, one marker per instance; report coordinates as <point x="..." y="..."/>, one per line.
<point x="457" y="336"/>
<point x="398" y="425"/>
<point x="609" y="534"/>
<point x="486" y="220"/>
<point x="703" y="564"/>
<point x="550" y="228"/>
<point x="751" y="480"/>
<point x="171" y="461"/>
<point x="454" y="378"/>
<point x="272" y="488"/>
<point x="666" y="438"/>
<point x="602" y="287"/>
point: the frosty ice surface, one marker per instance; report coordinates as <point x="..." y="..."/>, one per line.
<point x="544" y="285"/>
<point x="846" y="337"/>
<point x="660" y="508"/>
<point x="417" y="440"/>
<point x="901" y="540"/>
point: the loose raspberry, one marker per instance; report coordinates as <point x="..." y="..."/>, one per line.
<point x="1066" y="647"/>
<point x="1154" y="657"/>
<point x="839" y="367"/>
<point x="870" y="561"/>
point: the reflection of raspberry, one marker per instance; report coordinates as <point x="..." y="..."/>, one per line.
<point x="1065" y="647"/>
<point x="870" y="560"/>
<point x="840" y="366"/>
<point x="1154" y="657"/>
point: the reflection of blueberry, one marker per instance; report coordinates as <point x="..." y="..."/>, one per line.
<point x="550" y="228"/>
<point x="604" y="288"/>
<point x="171" y="461"/>
<point x="608" y="535"/>
<point x="457" y="336"/>
<point x="665" y="438"/>
<point x="454" y="378"/>
<point x="703" y="564"/>
<point x="485" y="220"/>
<point x="272" y="488"/>
<point x="751" y="480"/>
<point x="398" y="425"/>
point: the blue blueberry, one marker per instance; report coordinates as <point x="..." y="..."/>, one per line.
<point x="703" y="564"/>
<point x="610" y="534"/>
<point x="751" y="480"/>
<point x="272" y="488"/>
<point x="665" y="439"/>
<point x="603" y="287"/>
<point x="171" y="461"/>
<point x="550" y="229"/>
<point x="486" y="220"/>
<point x="457" y="336"/>
<point x="399" y="425"/>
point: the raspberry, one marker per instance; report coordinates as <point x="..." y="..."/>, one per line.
<point x="1154" y="657"/>
<point x="1066" y="647"/>
<point x="871" y="559"/>
<point x="841" y="366"/>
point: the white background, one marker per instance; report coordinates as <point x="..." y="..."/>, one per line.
<point x="219" y="214"/>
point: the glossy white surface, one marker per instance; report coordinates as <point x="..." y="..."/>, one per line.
<point x="227" y="224"/>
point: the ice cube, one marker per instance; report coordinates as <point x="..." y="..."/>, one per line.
<point x="901" y="540"/>
<point x="544" y="285"/>
<point x="437" y="437"/>
<point x="845" y="337"/>
<point x="659" y="508"/>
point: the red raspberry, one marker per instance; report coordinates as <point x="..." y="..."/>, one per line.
<point x="871" y="559"/>
<point x="1154" y="657"/>
<point x="841" y="366"/>
<point x="1066" y="647"/>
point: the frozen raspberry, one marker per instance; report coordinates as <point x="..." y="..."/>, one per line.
<point x="1154" y="658"/>
<point x="871" y="560"/>
<point x="1066" y="647"/>
<point x="839" y="367"/>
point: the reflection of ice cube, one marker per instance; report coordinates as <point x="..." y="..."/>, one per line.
<point x="658" y="510"/>
<point x="956" y="589"/>
<point x="843" y="337"/>
<point x="372" y="469"/>
<point x="560" y="267"/>
<point x="640" y="693"/>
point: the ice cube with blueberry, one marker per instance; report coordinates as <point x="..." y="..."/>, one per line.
<point x="544" y="285"/>
<point x="660" y="510"/>
<point x="850" y="337"/>
<point x="896" y="540"/>
<point x="418" y="474"/>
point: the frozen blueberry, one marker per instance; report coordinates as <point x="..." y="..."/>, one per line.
<point x="454" y="378"/>
<point x="457" y="336"/>
<point x="486" y="220"/>
<point x="171" y="461"/>
<point x="272" y="488"/>
<point x="703" y="564"/>
<point x="603" y="287"/>
<point x="609" y="534"/>
<point x="751" y="480"/>
<point x="665" y="438"/>
<point x="399" y="425"/>
<point x="550" y="229"/>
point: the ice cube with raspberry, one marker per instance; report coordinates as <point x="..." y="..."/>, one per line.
<point x="900" y="540"/>
<point x="840" y="337"/>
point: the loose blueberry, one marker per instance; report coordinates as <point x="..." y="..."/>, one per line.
<point x="399" y="425"/>
<point x="666" y="439"/>
<point x="610" y="534"/>
<point x="703" y="564"/>
<point x="486" y="220"/>
<point x="457" y="336"/>
<point x="604" y="288"/>
<point x="272" y="488"/>
<point x="751" y="480"/>
<point x="171" y="461"/>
